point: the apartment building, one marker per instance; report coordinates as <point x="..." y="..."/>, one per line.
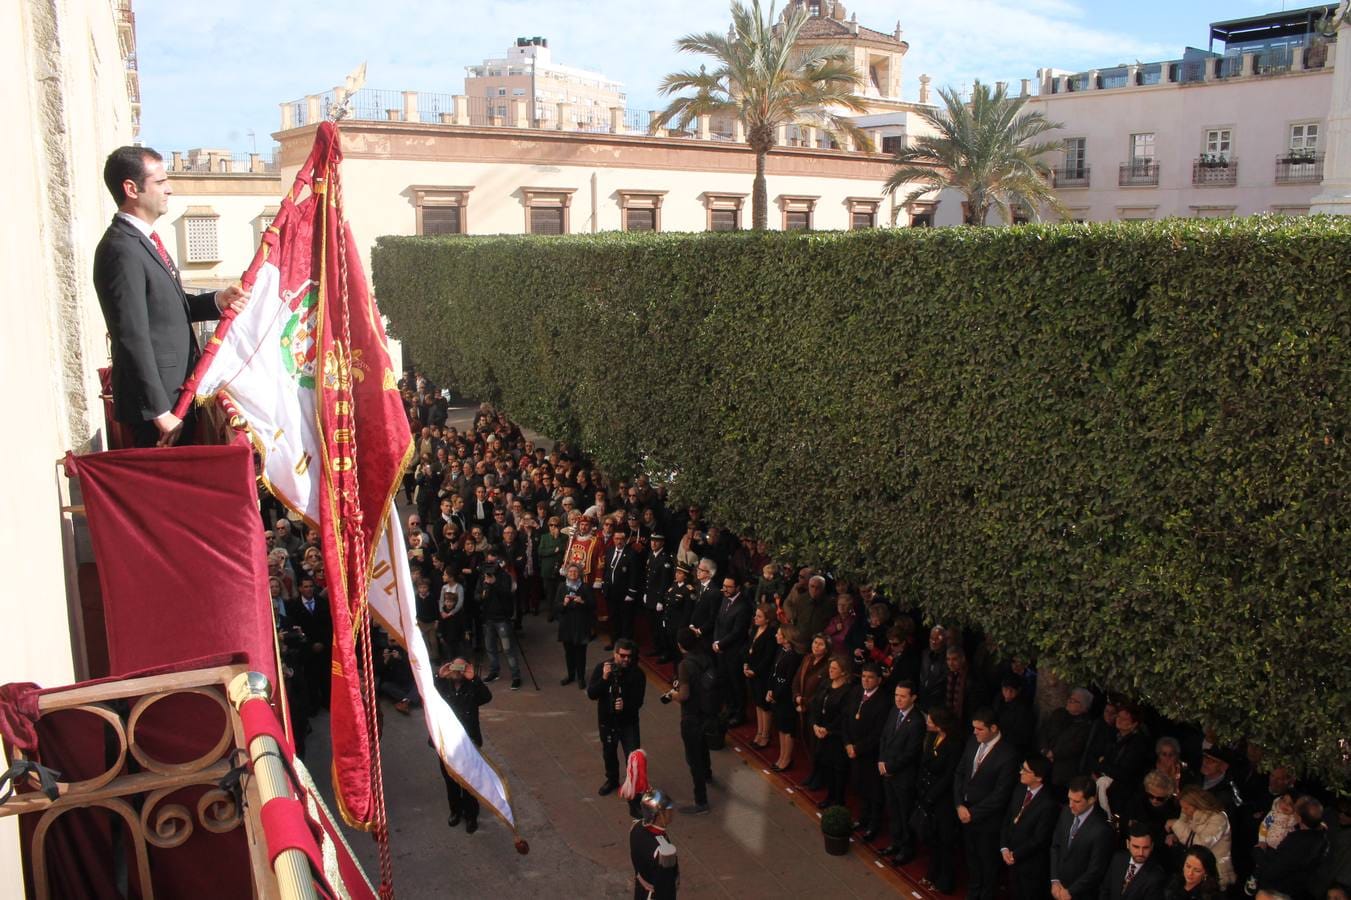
<point x="528" y="72"/>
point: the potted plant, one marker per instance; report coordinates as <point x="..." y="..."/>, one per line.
<point x="837" y="823"/>
<point x="1213" y="161"/>
<point x="1297" y="155"/>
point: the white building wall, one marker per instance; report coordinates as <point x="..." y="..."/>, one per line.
<point x="237" y="232"/>
<point x="65" y="87"/>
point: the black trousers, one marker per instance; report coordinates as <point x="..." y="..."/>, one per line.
<point x="982" y="860"/>
<point x="611" y="737"/>
<point x="697" y="757"/>
<point x="574" y="660"/>
<point x="943" y="847"/>
<point x="459" y="801"/>
<point x="868" y="784"/>
<point x="732" y="681"/>
<point x="900" y="799"/>
<point x="625" y="613"/>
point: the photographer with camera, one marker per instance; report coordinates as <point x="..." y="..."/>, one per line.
<point x="497" y="606"/>
<point x="695" y="689"/>
<point x="464" y="693"/>
<point x="618" y="686"/>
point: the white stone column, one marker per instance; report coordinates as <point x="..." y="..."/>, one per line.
<point x="1249" y="66"/>
<point x="461" y="105"/>
<point x="616" y="120"/>
<point x="288" y="116"/>
<point x="1335" y="198"/>
<point x="565" y="122"/>
<point x="410" y="113"/>
<point x="705" y="127"/>
<point x="738" y="131"/>
<point x="519" y="113"/>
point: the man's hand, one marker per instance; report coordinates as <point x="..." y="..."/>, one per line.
<point x="849" y="750"/>
<point x="605" y="670"/>
<point x="716" y="648"/>
<point x="964" y="814"/>
<point x="233" y="298"/>
<point x="1008" y="856"/>
<point x="170" y="426"/>
<point x="882" y="769"/>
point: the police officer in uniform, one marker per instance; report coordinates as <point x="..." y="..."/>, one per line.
<point x="656" y="871"/>
<point x="658" y="575"/>
<point x="677" y="609"/>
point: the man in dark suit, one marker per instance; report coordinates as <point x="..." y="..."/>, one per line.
<point x="658" y="576"/>
<point x="731" y="633"/>
<point x="1081" y="846"/>
<point x="899" y="748"/>
<point x="147" y="313"/>
<point x="621" y="584"/>
<point x="707" y="599"/>
<point x="311" y="614"/>
<point x="1025" y="838"/>
<point x="867" y="710"/>
<point x="985" y="777"/>
<point x="1133" y="873"/>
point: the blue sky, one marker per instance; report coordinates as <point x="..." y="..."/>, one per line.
<point x="211" y="73"/>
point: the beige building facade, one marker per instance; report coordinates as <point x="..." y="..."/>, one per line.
<point x="549" y="89"/>
<point x="69" y="85"/>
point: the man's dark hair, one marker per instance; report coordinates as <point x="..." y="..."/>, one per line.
<point x="871" y="668"/>
<point x="1082" y="785"/>
<point x="985" y="716"/>
<point x="627" y="644"/>
<point x="1038" y="766"/>
<point x="127" y="164"/>
<point x="1138" y="829"/>
<point x="905" y="683"/>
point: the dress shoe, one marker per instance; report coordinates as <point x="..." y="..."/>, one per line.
<point x="402" y="707"/>
<point x="453" y="820"/>
<point x="812" y="784"/>
<point x="515" y="684"/>
<point x="871" y="835"/>
<point x="581" y="685"/>
<point x="823" y="804"/>
<point x="566" y="681"/>
<point x="776" y="768"/>
<point x="471" y="826"/>
<point x="736" y="722"/>
<point x="492" y="676"/>
<point x="694" y="809"/>
<point x="890" y="850"/>
<point x="903" y="858"/>
<point x="607" y="788"/>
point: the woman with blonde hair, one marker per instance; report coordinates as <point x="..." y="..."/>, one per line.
<point x="1203" y="823"/>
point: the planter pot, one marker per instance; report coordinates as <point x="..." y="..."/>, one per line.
<point x="836" y="846"/>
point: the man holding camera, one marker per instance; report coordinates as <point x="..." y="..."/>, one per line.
<point x="497" y="606"/>
<point x="618" y="686"/>
<point x="464" y="693"/>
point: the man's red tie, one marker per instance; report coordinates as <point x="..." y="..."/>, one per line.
<point x="163" y="253"/>
<point x="1027" y="801"/>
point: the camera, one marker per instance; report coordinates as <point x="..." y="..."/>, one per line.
<point x="665" y="698"/>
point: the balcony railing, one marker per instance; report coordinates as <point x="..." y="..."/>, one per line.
<point x="1139" y="173"/>
<point x="1214" y="171"/>
<point x="1070" y="177"/>
<point x="1299" y="168"/>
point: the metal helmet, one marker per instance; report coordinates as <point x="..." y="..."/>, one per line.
<point x="653" y="802"/>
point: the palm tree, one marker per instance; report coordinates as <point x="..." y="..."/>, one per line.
<point x="987" y="149"/>
<point x="762" y="80"/>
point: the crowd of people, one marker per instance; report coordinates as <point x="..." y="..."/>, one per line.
<point x="926" y="730"/>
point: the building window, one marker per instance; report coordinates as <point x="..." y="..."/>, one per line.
<point x="641" y="210"/>
<point x="1304" y="136"/>
<point x="862" y="212"/>
<point x="922" y="215"/>
<point x="200" y="244"/>
<point x="501" y="92"/>
<point x="546" y="210"/>
<point x="893" y="143"/>
<point x="1142" y="147"/>
<point x="723" y="211"/>
<point x="263" y="222"/>
<point x="1076" y="160"/>
<point x="441" y="210"/>
<point x="797" y="212"/>
<point x="1219" y="141"/>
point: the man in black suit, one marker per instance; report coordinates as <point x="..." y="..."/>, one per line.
<point x="658" y="576"/>
<point x="1133" y="874"/>
<point x="311" y="614"/>
<point x="707" y="599"/>
<point x="1081" y="847"/>
<point x="1025" y="839"/>
<point x="147" y="313"/>
<point x="898" y="752"/>
<point x="985" y="777"/>
<point x="621" y="584"/>
<point x="731" y="633"/>
<point x="867" y="710"/>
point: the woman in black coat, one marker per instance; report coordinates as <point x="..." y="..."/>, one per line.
<point x="937" y="767"/>
<point x="757" y="665"/>
<point x="1199" y="878"/>
<point x="574" y="604"/>
<point x="780" y="693"/>
<point x="827" y="714"/>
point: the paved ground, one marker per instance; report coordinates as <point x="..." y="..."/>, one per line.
<point x="758" y="842"/>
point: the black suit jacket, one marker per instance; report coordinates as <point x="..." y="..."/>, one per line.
<point x="1080" y="865"/>
<point x="986" y="793"/>
<point x="900" y="748"/>
<point x="1027" y="832"/>
<point x="731" y="628"/>
<point x="1147" y="884"/>
<point x="863" y="723"/>
<point x="148" y="318"/>
<point x="621" y="580"/>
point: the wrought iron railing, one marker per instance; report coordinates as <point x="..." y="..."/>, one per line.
<point x="1299" y="168"/>
<point x="1139" y="173"/>
<point x="1071" y="176"/>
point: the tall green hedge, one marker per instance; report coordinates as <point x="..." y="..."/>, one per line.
<point x="1122" y="447"/>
